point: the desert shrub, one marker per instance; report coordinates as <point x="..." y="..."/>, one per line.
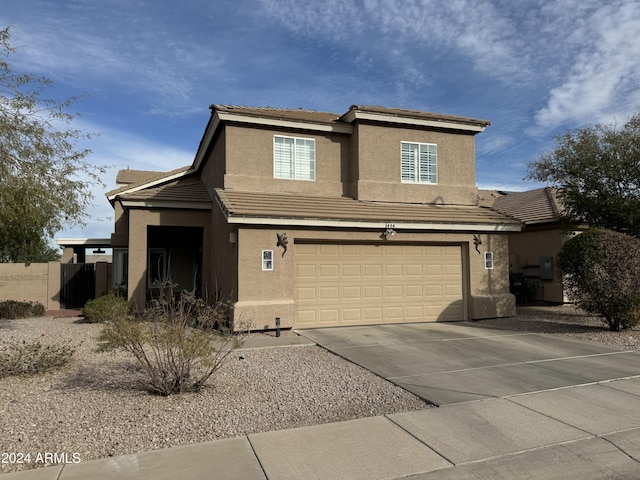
<point x="105" y="309"/>
<point x="601" y="269"/>
<point x="12" y="309"/>
<point x="179" y="342"/>
<point x="27" y="358"/>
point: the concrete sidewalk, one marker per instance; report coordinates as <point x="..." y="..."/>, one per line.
<point x="586" y="430"/>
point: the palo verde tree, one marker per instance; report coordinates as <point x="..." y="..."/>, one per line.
<point x="597" y="170"/>
<point x="45" y="179"/>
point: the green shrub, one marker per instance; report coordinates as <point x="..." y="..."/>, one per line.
<point x="105" y="309"/>
<point x="601" y="269"/>
<point x="27" y="358"/>
<point x="12" y="309"/>
<point x="175" y="354"/>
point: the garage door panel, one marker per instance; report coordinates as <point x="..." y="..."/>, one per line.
<point x="350" y="270"/>
<point x="304" y="294"/>
<point x="393" y="292"/>
<point x="373" y="315"/>
<point x="329" y="316"/>
<point x="373" y="292"/>
<point x="352" y="293"/>
<point x="305" y="271"/>
<point x="373" y="271"/>
<point x="371" y="250"/>
<point x="351" y="316"/>
<point x="366" y="284"/>
<point x="393" y="270"/>
<point x="414" y="291"/>
<point x="350" y="250"/>
<point x="433" y="291"/>
<point x="329" y="294"/>
<point x="329" y="271"/>
<point x="394" y="314"/>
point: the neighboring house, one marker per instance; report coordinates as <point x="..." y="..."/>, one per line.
<point x="321" y="219"/>
<point x="533" y="253"/>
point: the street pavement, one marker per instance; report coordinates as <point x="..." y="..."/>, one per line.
<point x="510" y="406"/>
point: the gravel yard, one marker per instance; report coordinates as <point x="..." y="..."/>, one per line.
<point x="94" y="407"/>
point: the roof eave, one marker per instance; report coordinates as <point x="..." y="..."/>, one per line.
<point x="113" y="195"/>
<point x="468" y="126"/>
<point x="370" y="224"/>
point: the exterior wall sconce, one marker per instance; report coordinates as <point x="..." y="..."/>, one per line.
<point x="387" y="232"/>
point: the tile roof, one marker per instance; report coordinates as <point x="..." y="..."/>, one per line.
<point x="533" y="207"/>
<point x="143" y="178"/>
<point x="189" y="189"/>
<point x="302" y="115"/>
<point x="136" y="176"/>
<point x="296" y="114"/>
<point x="417" y="114"/>
<point x="310" y="207"/>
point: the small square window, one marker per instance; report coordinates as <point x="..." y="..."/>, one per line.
<point x="488" y="260"/>
<point x="267" y="259"/>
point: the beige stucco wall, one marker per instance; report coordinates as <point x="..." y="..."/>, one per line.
<point x="213" y="169"/>
<point x="378" y="150"/>
<point x="525" y="250"/>
<point x="249" y="162"/>
<point x="139" y="220"/>
<point x="265" y="295"/>
<point x="37" y="282"/>
<point x="120" y="237"/>
<point x="223" y="279"/>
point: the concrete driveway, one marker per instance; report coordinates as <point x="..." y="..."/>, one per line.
<point x="450" y="363"/>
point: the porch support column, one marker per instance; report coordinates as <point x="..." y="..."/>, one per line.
<point x="137" y="259"/>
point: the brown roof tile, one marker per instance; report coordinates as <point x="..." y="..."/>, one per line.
<point x="535" y="206"/>
<point x="189" y="189"/>
<point x="292" y="206"/>
<point x="144" y="179"/>
<point x="400" y="112"/>
<point x="135" y="176"/>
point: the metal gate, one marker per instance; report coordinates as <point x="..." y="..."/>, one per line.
<point x="77" y="284"/>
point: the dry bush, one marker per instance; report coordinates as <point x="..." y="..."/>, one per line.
<point x="179" y="342"/>
<point x="28" y="358"/>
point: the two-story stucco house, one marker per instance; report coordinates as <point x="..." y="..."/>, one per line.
<point x="321" y="219"/>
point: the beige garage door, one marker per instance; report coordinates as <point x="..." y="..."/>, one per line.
<point x="369" y="284"/>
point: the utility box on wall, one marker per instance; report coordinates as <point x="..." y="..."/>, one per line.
<point x="547" y="271"/>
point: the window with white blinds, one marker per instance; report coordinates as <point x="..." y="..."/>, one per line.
<point x="294" y="158"/>
<point x="419" y="162"/>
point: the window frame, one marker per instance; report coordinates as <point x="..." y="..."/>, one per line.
<point x="267" y="260"/>
<point x="296" y="165"/>
<point x="488" y="260"/>
<point x="417" y="173"/>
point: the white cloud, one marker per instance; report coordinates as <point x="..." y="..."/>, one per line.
<point x="120" y="150"/>
<point x="604" y="79"/>
<point x="131" y="51"/>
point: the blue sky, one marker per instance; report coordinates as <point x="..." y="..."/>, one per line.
<point x="152" y="68"/>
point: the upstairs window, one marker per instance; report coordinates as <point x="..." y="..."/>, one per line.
<point x="294" y="158"/>
<point x="419" y="162"/>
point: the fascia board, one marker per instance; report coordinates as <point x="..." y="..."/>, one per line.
<point x="161" y="204"/>
<point x="312" y="222"/>
<point x="208" y="136"/>
<point x="319" y="127"/>
<point x="352" y="116"/>
<point x="82" y="241"/>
